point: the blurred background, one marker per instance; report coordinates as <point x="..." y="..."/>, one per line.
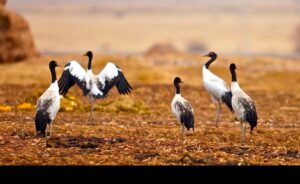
<point x="229" y="27"/>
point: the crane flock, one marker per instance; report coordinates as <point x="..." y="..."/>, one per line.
<point x="98" y="86"/>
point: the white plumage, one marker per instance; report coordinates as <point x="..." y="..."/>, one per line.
<point x="47" y="106"/>
<point x="109" y="72"/>
<point x="243" y="106"/>
<point x="182" y="109"/>
<point x="214" y="84"/>
<point x="217" y="88"/>
<point x="178" y="102"/>
<point x="94" y="86"/>
<point x="51" y="94"/>
<point x="238" y="94"/>
<point x="76" y="70"/>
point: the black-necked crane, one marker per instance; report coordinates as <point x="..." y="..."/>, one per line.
<point x="243" y="106"/>
<point x="94" y="86"/>
<point x="182" y="109"/>
<point x="218" y="90"/>
<point x="47" y="106"/>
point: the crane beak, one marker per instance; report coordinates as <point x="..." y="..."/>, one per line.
<point x="206" y="55"/>
<point x="58" y="65"/>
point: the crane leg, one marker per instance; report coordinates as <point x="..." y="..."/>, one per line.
<point x="218" y="113"/>
<point x="251" y="140"/>
<point x="182" y="131"/>
<point x="48" y="131"/>
<point x="218" y="110"/>
<point x="243" y="133"/>
<point x="92" y="103"/>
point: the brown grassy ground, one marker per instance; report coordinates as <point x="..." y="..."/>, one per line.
<point x="153" y="137"/>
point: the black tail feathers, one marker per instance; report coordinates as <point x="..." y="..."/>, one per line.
<point x="187" y="119"/>
<point x="251" y="117"/>
<point x="41" y="121"/>
<point x="226" y="98"/>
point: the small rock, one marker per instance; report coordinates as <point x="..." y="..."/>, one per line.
<point x="144" y="123"/>
<point x="16" y="136"/>
<point x="46" y="155"/>
<point x="28" y="118"/>
<point x="91" y="162"/>
<point x="123" y="127"/>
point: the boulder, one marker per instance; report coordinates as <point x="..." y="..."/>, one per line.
<point x="15" y="36"/>
<point x="2" y="2"/>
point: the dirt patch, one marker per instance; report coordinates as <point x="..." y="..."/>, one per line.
<point x="235" y="150"/>
<point x="293" y="153"/>
<point x="143" y="156"/>
<point x="23" y="134"/>
<point x="81" y="142"/>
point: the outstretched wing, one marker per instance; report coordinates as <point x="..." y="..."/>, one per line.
<point x="73" y="74"/>
<point x="112" y="76"/>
